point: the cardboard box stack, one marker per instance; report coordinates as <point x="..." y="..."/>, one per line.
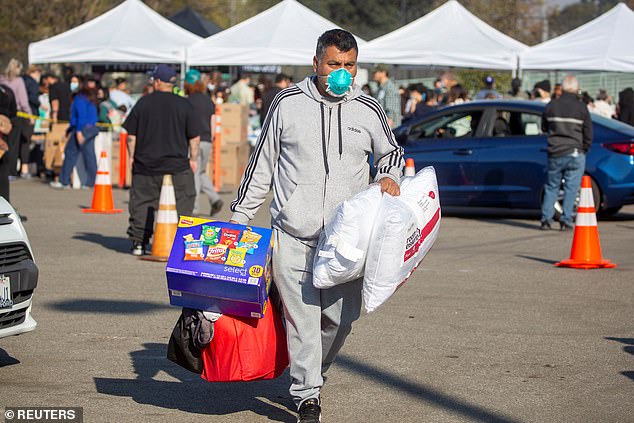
<point x="235" y="118"/>
<point x="54" y="146"/>
<point x="234" y="148"/>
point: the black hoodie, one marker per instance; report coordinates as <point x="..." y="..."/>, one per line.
<point x="626" y="106"/>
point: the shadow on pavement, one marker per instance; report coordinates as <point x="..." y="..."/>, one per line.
<point x="194" y="395"/>
<point x="526" y="214"/>
<point x="515" y="223"/>
<point x="6" y="359"/>
<point x="491" y="213"/>
<point x="629" y="348"/>
<point x="542" y="260"/>
<point x="115" y="243"/>
<point x="89" y="305"/>
<point x="619" y="217"/>
<point x="422" y="392"/>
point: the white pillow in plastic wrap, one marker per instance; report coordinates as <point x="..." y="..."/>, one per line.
<point x="343" y="243"/>
<point x="406" y="228"/>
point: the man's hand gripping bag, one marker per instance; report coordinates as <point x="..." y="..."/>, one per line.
<point x="406" y="228"/>
<point x="343" y="243"/>
<point x="245" y="349"/>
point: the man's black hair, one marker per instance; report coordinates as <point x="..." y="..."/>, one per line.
<point x="342" y="40"/>
<point x="281" y="77"/>
<point x="419" y="88"/>
<point x="120" y="81"/>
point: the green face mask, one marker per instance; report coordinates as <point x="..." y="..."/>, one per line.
<point x="339" y="82"/>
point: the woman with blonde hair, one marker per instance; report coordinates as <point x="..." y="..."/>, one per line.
<point x="22" y="127"/>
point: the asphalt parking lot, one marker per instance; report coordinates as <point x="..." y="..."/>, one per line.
<point x="486" y="330"/>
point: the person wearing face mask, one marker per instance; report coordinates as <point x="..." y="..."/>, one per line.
<point x="74" y="84"/>
<point x="313" y="153"/>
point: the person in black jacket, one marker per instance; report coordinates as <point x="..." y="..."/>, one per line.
<point x="8" y="109"/>
<point x="625" y="109"/>
<point x="282" y="81"/>
<point x="567" y="122"/>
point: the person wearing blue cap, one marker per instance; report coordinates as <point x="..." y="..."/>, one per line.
<point x="488" y="92"/>
<point x="204" y="109"/>
<point x="163" y="139"/>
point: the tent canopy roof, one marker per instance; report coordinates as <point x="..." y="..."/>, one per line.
<point x="130" y="32"/>
<point x="285" y="34"/>
<point x="447" y="36"/>
<point x="192" y="21"/>
<point x="603" y="44"/>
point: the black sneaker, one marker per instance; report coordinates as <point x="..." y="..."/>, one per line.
<point x="545" y="226"/>
<point x="216" y="206"/>
<point x="138" y="248"/>
<point x="565" y="226"/>
<point x="309" y="411"/>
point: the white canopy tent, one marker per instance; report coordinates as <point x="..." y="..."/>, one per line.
<point x="129" y="33"/>
<point x="447" y="36"/>
<point x="285" y="34"/>
<point x="603" y="44"/>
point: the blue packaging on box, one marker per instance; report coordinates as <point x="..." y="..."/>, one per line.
<point x="226" y="270"/>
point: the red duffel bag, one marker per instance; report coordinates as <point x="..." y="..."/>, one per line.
<point x="244" y="349"/>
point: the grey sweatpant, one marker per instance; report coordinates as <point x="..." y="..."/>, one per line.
<point x="201" y="178"/>
<point x="317" y="320"/>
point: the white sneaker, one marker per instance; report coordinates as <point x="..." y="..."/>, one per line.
<point x="138" y="249"/>
<point x="58" y="185"/>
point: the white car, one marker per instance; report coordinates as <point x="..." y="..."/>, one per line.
<point x="18" y="274"/>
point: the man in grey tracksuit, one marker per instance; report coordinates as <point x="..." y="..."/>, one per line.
<point x="313" y="152"/>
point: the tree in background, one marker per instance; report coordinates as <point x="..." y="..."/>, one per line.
<point x="572" y="16"/>
<point x="21" y="24"/>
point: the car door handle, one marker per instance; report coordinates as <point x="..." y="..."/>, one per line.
<point x="463" y="152"/>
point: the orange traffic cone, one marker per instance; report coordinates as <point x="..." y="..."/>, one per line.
<point x="586" y="249"/>
<point x="102" y="194"/>
<point x="166" y="223"/>
<point x="410" y="169"/>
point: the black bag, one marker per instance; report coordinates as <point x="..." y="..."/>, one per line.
<point x="90" y="131"/>
<point x="181" y="349"/>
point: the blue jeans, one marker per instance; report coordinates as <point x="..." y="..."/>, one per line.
<point x="570" y="168"/>
<point x="71" y="153"/>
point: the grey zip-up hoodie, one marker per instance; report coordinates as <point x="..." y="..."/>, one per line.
<point x="314" y="151"/>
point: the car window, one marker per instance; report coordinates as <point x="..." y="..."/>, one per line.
<point x="510" y="123"/>
<point x="453" y="125"/>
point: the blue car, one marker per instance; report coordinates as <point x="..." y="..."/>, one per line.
<point x="493" y="154"/>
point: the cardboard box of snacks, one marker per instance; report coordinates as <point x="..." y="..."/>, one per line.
<point x="219" y="266"/>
